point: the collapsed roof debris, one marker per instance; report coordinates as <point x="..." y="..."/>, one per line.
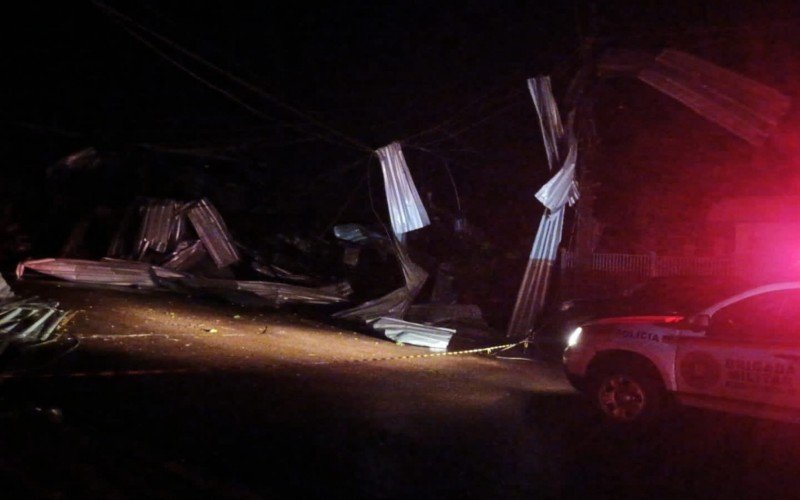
<point x="26" y="322"/>
<point x="743" y="106"/>
<point x="102" y="272"/>
<point x="213" y="233"/>
<point x="395" y="303"/>
<point x="404" y="332"/>
<point x="188" y="246"/>
<point x="554" y="195"/>
<point x="162" y="225"/>
<point x="746" y="108"/>
<point x="407" y="213"/>
<point x="164" y="238"/>
<point x="272" y="294"/>
<point x="187" y="254"/>
<point x="406" y="210"/>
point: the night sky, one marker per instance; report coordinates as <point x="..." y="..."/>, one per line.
<point x="447" y="79"/>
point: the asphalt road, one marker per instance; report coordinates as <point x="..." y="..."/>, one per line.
<point x="170" y="397"/>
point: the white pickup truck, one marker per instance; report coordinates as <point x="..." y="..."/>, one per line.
<point x="739" y="355"/>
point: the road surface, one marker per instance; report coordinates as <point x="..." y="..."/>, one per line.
<point x="166" y="396"/>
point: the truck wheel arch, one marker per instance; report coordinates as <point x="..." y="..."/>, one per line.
<point x="615" y="358"/>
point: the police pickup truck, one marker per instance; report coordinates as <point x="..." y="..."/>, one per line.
<point x="740" y="354"/>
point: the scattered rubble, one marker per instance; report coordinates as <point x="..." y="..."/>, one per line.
<point x="405" y="332"/>
<point x="187" y="247"/>
<point x="26" y="322"/>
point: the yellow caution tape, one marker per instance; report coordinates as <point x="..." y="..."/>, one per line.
<point x="486" y="350"/>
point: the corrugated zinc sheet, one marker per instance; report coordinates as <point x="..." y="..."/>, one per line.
<point x="405" y="332"/>
<point x="395" y="303"/>
<point x="98" y="272"/>
<point x="743" y="106"/>
<point x="406" y="210"/>
<point x="26" y="322"/>
<point x="213" y="232"/>
<point x="186" y="256"/>
<point x="562" y="189"/>
<point x="549" y="117"/>
<point x="159" y="225"/>
<point x="555" y="195"/>
<point x="533" y="290"/>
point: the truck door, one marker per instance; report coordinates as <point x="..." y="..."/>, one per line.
<point x="749" y="357"/>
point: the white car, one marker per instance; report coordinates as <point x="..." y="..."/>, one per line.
<point x="739" y="355"/>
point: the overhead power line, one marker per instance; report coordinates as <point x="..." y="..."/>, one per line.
<point x="253" y="88"/>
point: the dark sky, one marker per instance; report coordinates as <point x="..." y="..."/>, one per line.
<point x="377" y="71"/>
<point x="374" y="72"/>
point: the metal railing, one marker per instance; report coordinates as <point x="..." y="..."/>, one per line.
<point x="598" y="274"/>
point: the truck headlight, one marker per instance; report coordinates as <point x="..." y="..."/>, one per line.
<point x="574" y="337"/>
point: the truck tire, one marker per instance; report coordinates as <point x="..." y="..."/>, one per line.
<point x="627" y="395"/>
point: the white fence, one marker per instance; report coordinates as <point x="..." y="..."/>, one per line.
<point x="601" y="273"/>
<point x="648" y="265"/>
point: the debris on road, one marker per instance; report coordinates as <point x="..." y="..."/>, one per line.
<point x="26" y="322"/>
<point x="169" y="256"/>
<point x="102" y="272"/>
<point x="406" y="332"/>
<point x="213" y="233"/>
<point x="186" y="246"/>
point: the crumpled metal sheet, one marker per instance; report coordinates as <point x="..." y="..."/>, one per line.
<point x="99" y="272"/>
<point x="278" y="294"/>
<point x="288" y="275"/>
<point x="395" y="303"/>
<point x="405" y="332"/>
<point x="160" y="226"/>
<point x="549" y="118"/>
<point x="26" y="322"/>
<point x="415" y="275"/>
<point x="533" y="290"/>
<point x="406" y="210"/>
<point x="266" y="292"/>
<point x="741" y="105"/>
<point x="213" y="232"/>
<point x="186" y="255"/>
<point x="562" y="189"/>
<point x="354" y="233"/>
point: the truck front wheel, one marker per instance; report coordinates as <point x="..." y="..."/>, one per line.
<point x="627" y="396"/>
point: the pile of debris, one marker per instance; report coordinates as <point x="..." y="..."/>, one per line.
<point x="185" y="246"/>
<point x="26" y="323"/>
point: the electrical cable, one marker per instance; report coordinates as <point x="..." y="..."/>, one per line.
<point x="196" y="76"/>
<point x="481" y="101"/>
<point x="353" y="142"/>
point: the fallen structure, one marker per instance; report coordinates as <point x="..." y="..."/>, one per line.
<point x="26" y="323"/>
<point x="187" y="247"/>
<point x="744" y="107"/>
<point x="165" y="237"/>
